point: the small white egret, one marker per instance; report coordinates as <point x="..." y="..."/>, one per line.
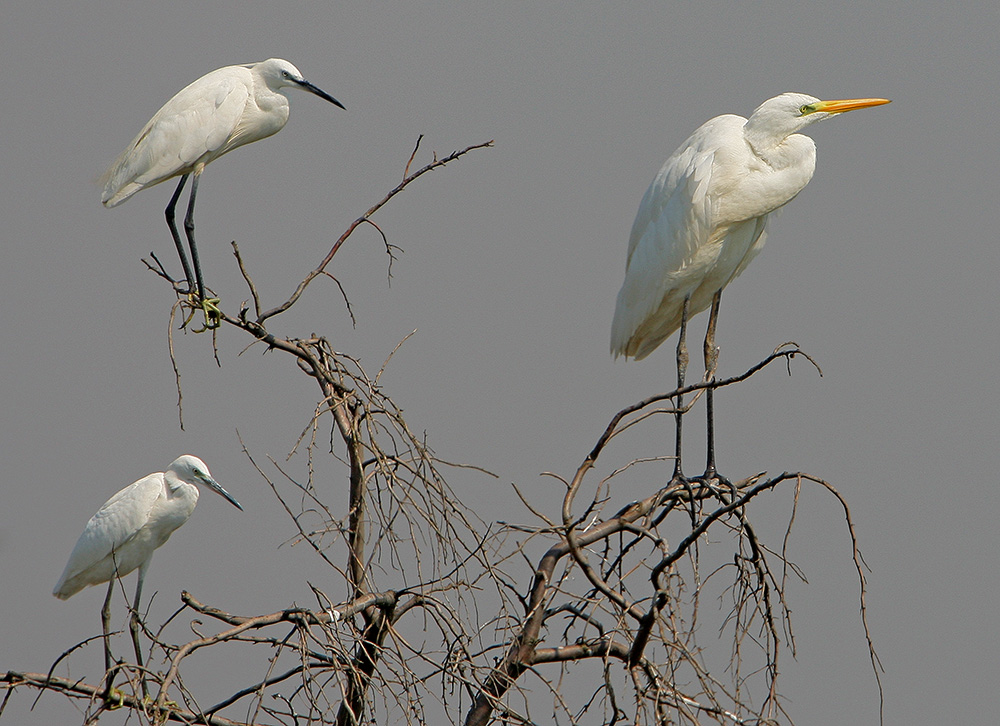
<point x="227" y="108"/>
<point x="705" y="217"/>
<point x="125" y="532"/>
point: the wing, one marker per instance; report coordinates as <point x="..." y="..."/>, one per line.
<point x="756" y="235"/>
<point x="110" y="529"/>
<point x="674" y="223"/>
<point x="191" y="127"/>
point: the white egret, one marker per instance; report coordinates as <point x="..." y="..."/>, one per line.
<point x="705" y="217"/>
<point x="227" y="108"/>
<point x="125" y="532"/>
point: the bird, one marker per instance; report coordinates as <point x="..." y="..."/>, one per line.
<point x="703" y="219"/>
<point x="705" y="215"/>
<point x="225" y="109"/>
<point x="124" y="533"/>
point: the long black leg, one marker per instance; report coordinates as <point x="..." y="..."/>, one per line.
<point x="134" y="627"/>
<point x="682" y="363"/>
<point x="106" y="627"/>
<point x="169" y="212"/>
<point x="110" y="670"/>
<point x="711" y="361"/>
<point x="189" y="230"/>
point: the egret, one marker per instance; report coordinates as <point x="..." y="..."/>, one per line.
<point x="227" y="108"/>
<point x="124" y="533"/>
<point x="705" y="217"/>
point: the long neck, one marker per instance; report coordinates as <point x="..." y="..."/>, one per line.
<point x="181" y="489"/>
<point x="790" y="151"/>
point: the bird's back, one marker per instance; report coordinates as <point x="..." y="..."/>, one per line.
<point x="702" y="220"/>
<point x="103" y="547"/>
<point x="670" y="243"/>
<point x="199" y="124"/>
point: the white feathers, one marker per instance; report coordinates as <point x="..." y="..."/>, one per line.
<point x="705" y="215"/>
<point x="125" y="532"/>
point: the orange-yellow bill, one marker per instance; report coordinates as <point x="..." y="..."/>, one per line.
<point x="848" y="104"/>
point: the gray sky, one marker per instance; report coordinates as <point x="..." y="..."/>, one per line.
<point x="883" y="269"/>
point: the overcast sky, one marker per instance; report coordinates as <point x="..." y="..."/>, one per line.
<point x="884" y="269"/>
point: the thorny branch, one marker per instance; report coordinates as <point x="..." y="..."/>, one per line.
<point x="433" y="624"/>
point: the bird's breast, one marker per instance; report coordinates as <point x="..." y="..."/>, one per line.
<point x="260" y="119"/>
<point x="761" y="184"/>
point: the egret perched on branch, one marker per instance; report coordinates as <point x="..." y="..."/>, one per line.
<point x="705" y="217"/>
<point x="123" y="534"/>
<point x="227" y="108"/>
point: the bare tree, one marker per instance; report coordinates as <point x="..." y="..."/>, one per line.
<point x="448" y="619"/>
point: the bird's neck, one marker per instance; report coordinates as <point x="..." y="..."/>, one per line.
<point x="181" y="489"/>
<point x="776" y="157"/>
<point x="795" y="150"/>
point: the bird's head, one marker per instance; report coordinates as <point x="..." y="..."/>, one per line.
<point x="778" y="118"/>
<point x="192" y="470"/>
<point x="278" y="73"/>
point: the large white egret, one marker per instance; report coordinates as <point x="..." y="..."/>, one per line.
<point x="227" y="108"/>
<point x="125" y="532"/>
<point x="705" y="217"/>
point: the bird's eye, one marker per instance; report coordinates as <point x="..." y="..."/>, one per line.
<point x="803" y="110"/>
<point x="286" y="74"/>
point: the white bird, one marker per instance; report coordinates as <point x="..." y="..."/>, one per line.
<point x="125" y="532"/>
<point x="227" y="108"/>
<point x="705" y="215"/>
<point x="133" y="523"/>
<point x="703" y="219"/>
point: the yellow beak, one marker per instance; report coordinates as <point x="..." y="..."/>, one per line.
<point x="848" y="104"/>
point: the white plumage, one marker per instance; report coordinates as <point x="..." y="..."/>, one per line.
<point x="219" y="112"/>
<point x="705" y="215"/>
<point x="125" y="532"/>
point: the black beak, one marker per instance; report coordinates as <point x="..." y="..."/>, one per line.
<point x="320" y="92"/>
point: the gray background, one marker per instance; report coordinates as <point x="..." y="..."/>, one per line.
<point x="884" y="269"/>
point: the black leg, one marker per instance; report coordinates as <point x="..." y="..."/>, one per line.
<point x="106" y="628"/>
<point x="189" y="230"/>
<point x="110" y="669"/>
<point x="682" y="363"/>
<point x="134" y="627"/>
<point x="169" y="212"/>
<point x="711" y="361"/>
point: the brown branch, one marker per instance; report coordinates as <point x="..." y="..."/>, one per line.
<point x="95" y="694"/>
<point x="601" y="648"/>
<point x="365" y="661"/>
<point x="859" y="565"/>
<point x="521" y="653"/>
<point x="782" y="352"/>
<point x="382" y="600"/>
<point x="361" y="220"/>
<point x="247" y="278"/>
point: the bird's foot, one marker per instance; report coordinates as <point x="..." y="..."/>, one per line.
<point x="113" y="699"/>
<point x="213" y="315"/>
<point x="150" y="702"/>
<point x="209" y="306"/>
<point x="718" y="484"/>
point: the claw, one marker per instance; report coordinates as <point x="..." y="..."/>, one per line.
<point x="210" y="306"/>
<point x="213" y="315"/>
<point x="149" y="702"/>
<point x="114" y="699"/>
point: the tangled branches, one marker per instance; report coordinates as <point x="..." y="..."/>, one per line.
<point x="433" y="615"/>
<point x="640" y="599"/>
